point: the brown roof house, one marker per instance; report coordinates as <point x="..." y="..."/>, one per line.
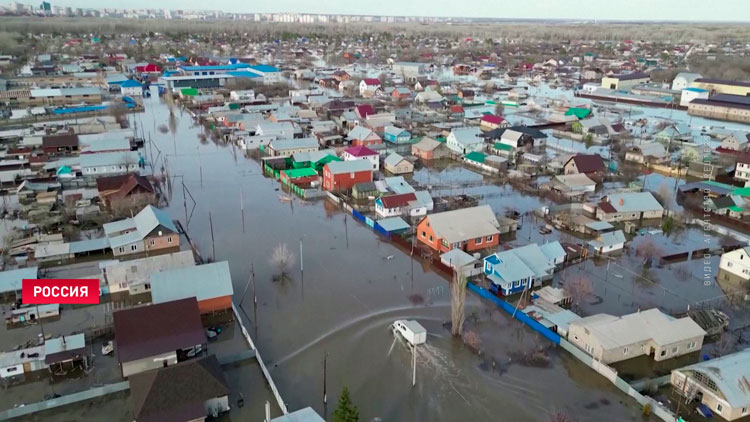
<point x="591" y="165"/>
<point x="187" y="392"/>
<point x="156" y="336"/>
<point x="57" y="145"/>
<point x="128" y="190"/>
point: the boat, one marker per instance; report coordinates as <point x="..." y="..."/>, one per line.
<point x="108" y="348"/>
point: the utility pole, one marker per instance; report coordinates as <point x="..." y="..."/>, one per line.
<point x="213" y="243"/>
<point x="346" y="231"/>
<point x="242" y="210"/>
<point x="325" y="376"/>
<point x="413" y="366"/>
<point x="301" y="260"/>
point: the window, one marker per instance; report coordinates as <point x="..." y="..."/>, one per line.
<point x="445" y="243"/>
<point x="517" y="283"/>
<point x="691" y="345"/>
<point x="489" y="238"/>
<point x="745" y="410"/>
<point x="148" y="286"/>
<point x="478" y="240"/>
<point x="625" y="350"/>
<point x="430" y="238"/>
<point x="169" y="239"/>
<point x="133" y="247"/>
<point x="152" y="242"/>
<point x="663" y="353"/>
<point x="719" y="407"/>
<point x="675" y="350"/>
<point x="424" y="234"/>
<point x="121" y="249"/>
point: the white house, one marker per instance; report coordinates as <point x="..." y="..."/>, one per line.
<point x="608" y="242"/>
<point x="690" y="94"/>
<point x="405" y="204"/>
<point x="362" y="153"/>
<point x="110" y="163"/>
<point x="734" y="268"/>
<point x="683" y="80"/>
<point x="742" y="172"/>
<point x="131" y="88"/>
<point x="369" y="86"/>
<point x="242" y="95"/>
<point x="466" y="139"/>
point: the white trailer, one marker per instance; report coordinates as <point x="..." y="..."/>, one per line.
<point x="411" y="331"/>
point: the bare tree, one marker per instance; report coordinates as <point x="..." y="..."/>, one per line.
<point x="579" y="288"/>
<point x="283" y="259"/>
<point x="560" y="416"/>
<point x="458" y="302"/>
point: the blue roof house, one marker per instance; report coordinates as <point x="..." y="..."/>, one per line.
<point x="516" y="270"/>
<point x="396" y="135"/>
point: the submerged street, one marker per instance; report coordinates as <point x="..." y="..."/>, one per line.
<point x="354" y="286"/>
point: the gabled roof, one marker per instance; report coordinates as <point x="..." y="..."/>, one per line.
<point x="629" y="76"/>
<point x="371" y="81"/>
<point x="393" y="159"/>
<point x="365" y="109"/>
<point x="360" y="151"/>
<point x="146" y="221"/>
<point x="586" y="163"/>
<point x="395" y="131"/>
<point x="56" y="141"/>
<point x="130" y="83"/>
<point x="498" y="133"/>
<point x="427" y="144"/>
<point x="397" y="201"/>
<point x="150" y="330"/>
<point x="634" y="202"/>
<point x="178" y="392"/>
<point x="730" y="373"/>
<point x="121" y="185"/>
<point x="464" y="224"/>
<point x="492" y="119"/>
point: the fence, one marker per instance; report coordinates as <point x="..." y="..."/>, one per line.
<point x="519" y="315"/>
<point x="263" y="368"/>
<point x="65" y="400"/>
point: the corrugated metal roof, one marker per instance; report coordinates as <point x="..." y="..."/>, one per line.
<point x="203" y="282"/>
<point x="351" y="166"/>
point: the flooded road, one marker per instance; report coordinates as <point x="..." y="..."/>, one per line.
<point x="347" y="298"/>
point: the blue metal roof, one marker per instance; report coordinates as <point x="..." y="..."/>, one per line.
<point x="264" y="68"/>
<point x="244" y="74"/>
<point x="130" y="83"/>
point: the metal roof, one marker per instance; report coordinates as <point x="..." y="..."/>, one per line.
<point x="464" y="224"/>
<point x="351" y="166"/>
<point x="393" y="159"/>
<point x="303" y="415"/>
<point x="634" y="202"/>
<point x="203" y="282"/>
<point x="392" y="224"/>
<point x="109" y="159"/>
<point x="615" y="332"/>
<point x="10" y="280"/>
<point x="731" y="374"/>
<point x="284" y="144"/>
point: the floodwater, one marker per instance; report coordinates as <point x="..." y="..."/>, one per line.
<point x="354" y="285"/>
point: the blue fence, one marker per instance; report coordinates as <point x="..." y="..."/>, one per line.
<point x="507" y="307"/>
<point x="369" y="222"/>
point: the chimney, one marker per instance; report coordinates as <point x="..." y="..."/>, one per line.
<point x="622" y="201"/>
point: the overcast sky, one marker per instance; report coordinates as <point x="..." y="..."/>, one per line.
<point x="683" y="10"/>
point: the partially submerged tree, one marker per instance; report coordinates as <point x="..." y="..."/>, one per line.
<point x="579" y="288"/>
<point x="282" y="258"/>
<point x="458" y="303"/>
<point x="346" y="410"/>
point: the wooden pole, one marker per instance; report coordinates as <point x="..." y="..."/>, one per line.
<point x="213" y="242"/>
<point x="413" y="366"/>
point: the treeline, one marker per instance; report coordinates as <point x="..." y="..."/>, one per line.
<point x="529" y="32"/>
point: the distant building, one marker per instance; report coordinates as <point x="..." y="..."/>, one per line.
<point x="683" y="80"/>
<point x="722" y="86"/>
<point x="733" y="108"/>
<point x="465" y="140"/>
<point x="734" y="269"/>
<point x="690" y="94"/>
<point x="625" y="81"/>
<point x="289" y="147"/>
<point x="396" y="164"/>
<point x="611" y="339"/>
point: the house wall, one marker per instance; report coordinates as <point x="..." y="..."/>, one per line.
<point x="719" y="112"/>
<point x="167" y="241"/>
<point x="577" y="335"/>
<point x="722" y="88"/>
<point x="425" y="233"/>
<point x="221" y="404"/>
<point x="216" y="304"/>
<point x="129" y="249"/>
<point x="401" y="168"/>
<point x="735" y="263"/>
<point x="111" y="170"/>
<point x="148" y="363"/>
<point x="710" y="398"/>
<point x="344" y="181"/>
<point x="373" y="159"/>
<point x="133" y="91"/>
<point x="290" y="152"/>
